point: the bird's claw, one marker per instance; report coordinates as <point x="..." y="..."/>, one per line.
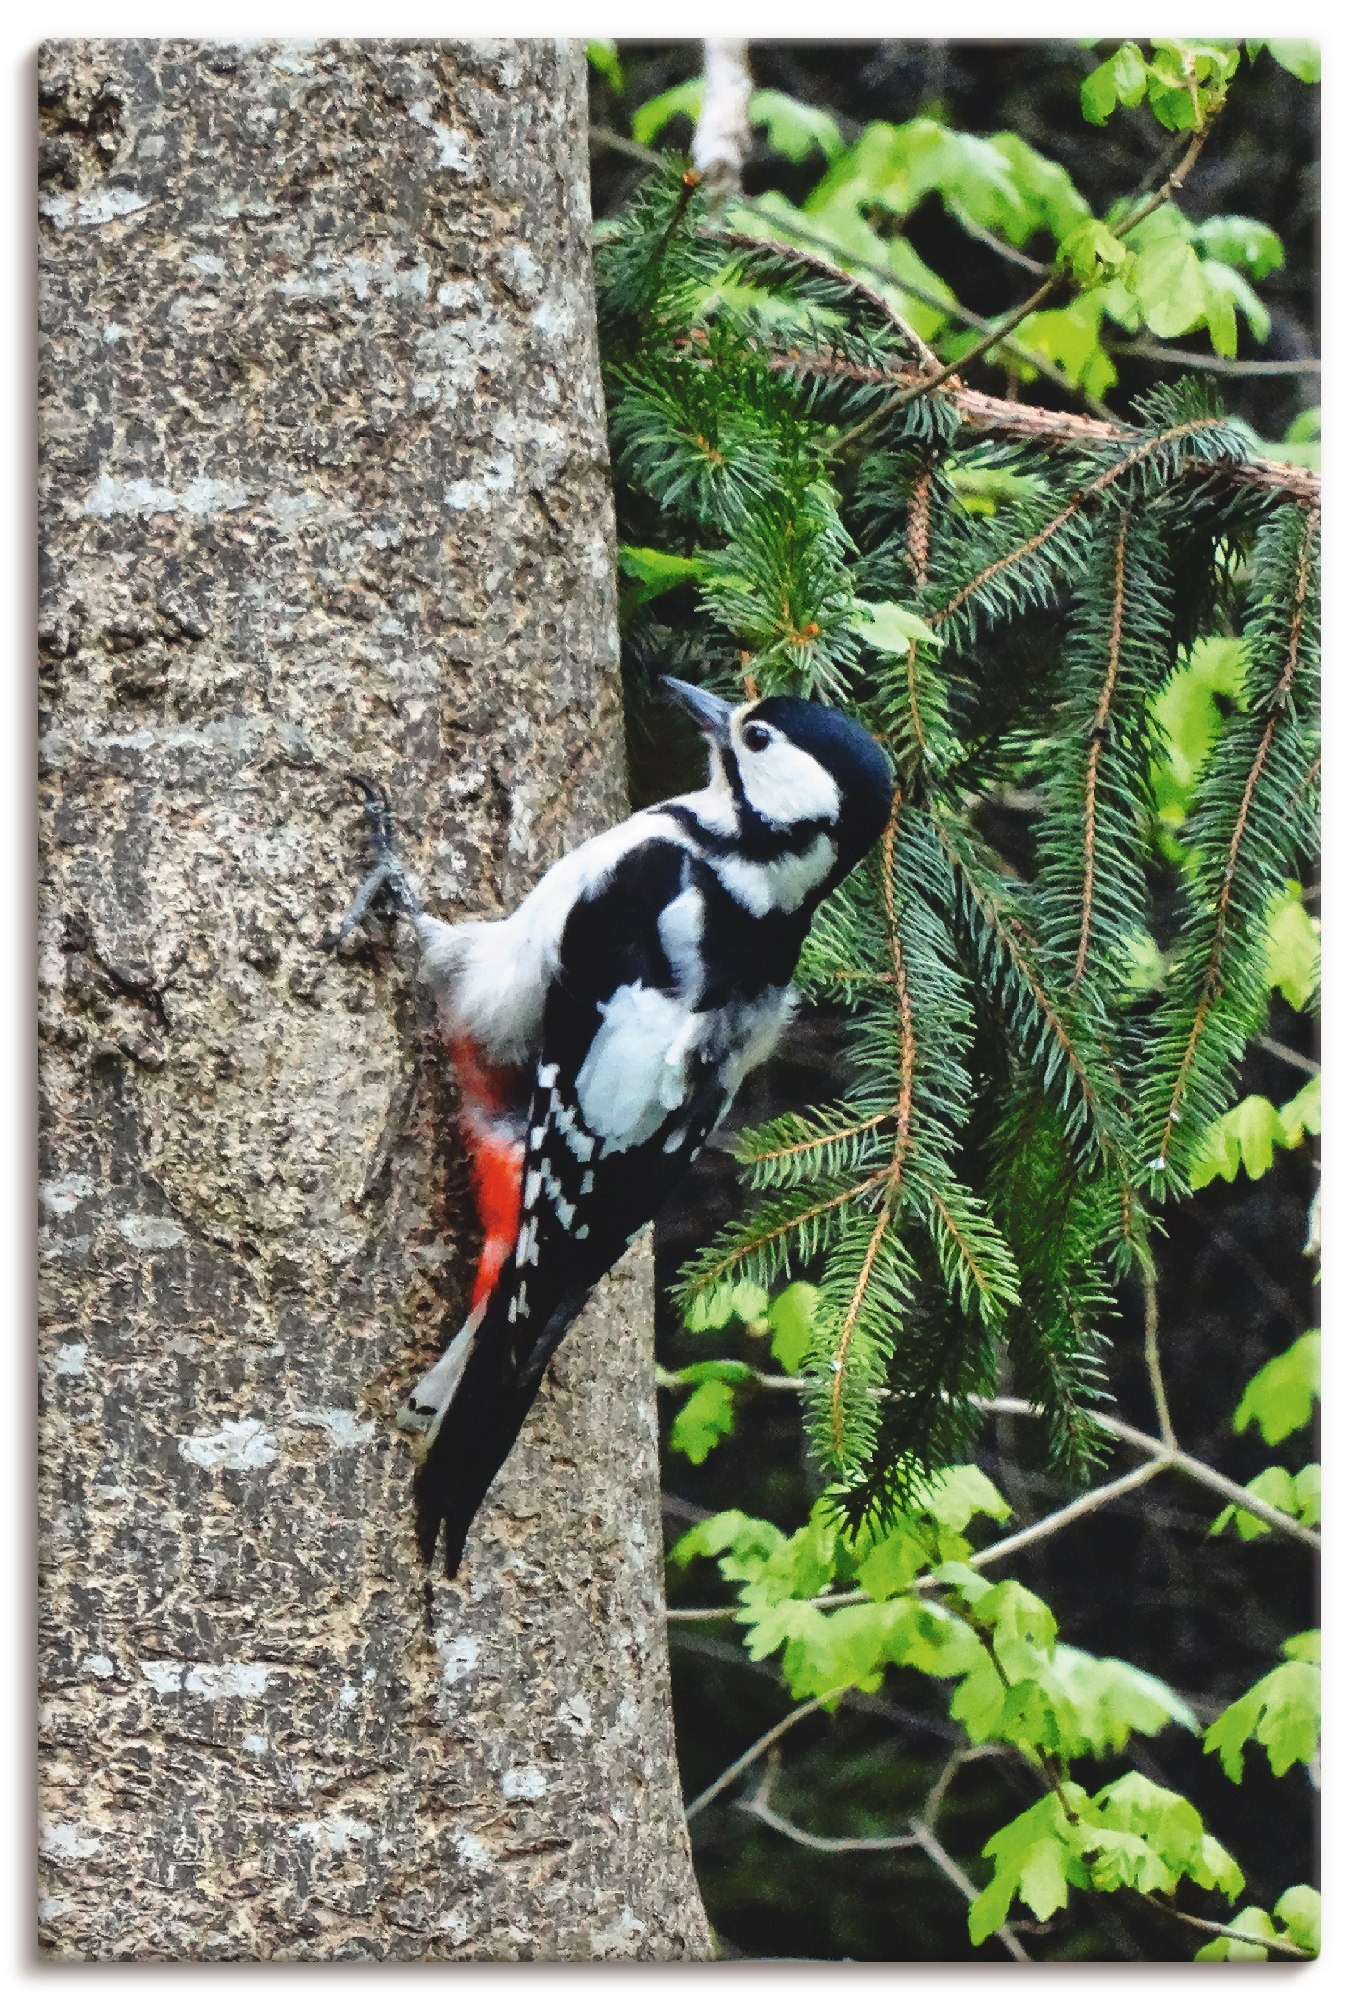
<point x="387" y="877"/>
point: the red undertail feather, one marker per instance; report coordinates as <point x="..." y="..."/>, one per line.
<point x="489" y="1096"/>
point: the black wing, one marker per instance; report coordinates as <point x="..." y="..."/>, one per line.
<point x="585" y="1191"/>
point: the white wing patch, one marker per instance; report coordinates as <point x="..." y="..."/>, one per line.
<point x="636" y="1070"/>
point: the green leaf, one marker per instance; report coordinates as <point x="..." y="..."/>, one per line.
<point x="1296" y="1494"/>
<point x="890" y="628"/>
<point x="1240" y="240"/>
<point x="892" y="1564"/>
<point x="656" y="571"/>
<point x="1278" y="1399"/>
<point x="1282" y="1713"/>
<point x="1300" y="59"/>
<point x="1294" y="958"/>
<point x="1168" y="284"/>
<point x="1070" y="337"/>
<point x="703" y="1421"/>
<point x="1246" y="1135"/>
<point x="603" y="56"/>
<point x="793" y="129"/>
<point x="683" y="100"/>
<point x="1091" y="252"/>
<point x="745" y="1535"/>
<point x="1299" y="1911"/>
<point x="1189" y="715"/>
<point x="1252" y="1920"/>
<point x="716" y="1306"/>
<point x="953" y="1495"/>
<point x="1229" y="292"/>
<point x="1120" y="80"/>
<point x="1032" y="1857"/>
<point x="791" y="1317"/>
<point x="1304" y="1646"/>
<point x="1051" y="199"/>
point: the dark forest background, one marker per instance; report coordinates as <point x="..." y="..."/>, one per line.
<point x="1140" y="1579"/>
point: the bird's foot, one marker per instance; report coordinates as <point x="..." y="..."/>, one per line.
<point x="387" y="883"/>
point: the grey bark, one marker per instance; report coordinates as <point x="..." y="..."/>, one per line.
<point x="324" y="487"/>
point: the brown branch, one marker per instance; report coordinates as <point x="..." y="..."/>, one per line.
<point x="905" y="1099"/>
<point x="785" y="1228"/>
<point x="1029" y="423"/>
<point x="1283" y="1945"/>
<point x="1097" y="739"/>
<point x="814" y="1145"/>
<point x="1215" y="364"/>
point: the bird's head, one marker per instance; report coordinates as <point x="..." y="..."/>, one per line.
<point x="788" y="766"/>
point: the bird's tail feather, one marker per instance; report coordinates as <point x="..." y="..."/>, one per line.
<point x="478" y="1428"/>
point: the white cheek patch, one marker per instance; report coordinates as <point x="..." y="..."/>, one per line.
<point x="785" y="784"/>
<point x="762" y="886"/>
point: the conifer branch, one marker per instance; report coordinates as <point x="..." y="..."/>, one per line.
<point x="1100" y="484"/>
<point x="713" y="1273"/>
<point x="819" y="1142"/>
<point x="1210" y="984"/>
<point x="905" y="1098"/>
<point x="1098" y="733"/>
<point x="855" y="1307"/>
<point x="1029" y="423"/>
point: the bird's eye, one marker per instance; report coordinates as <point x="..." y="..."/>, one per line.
<point x="756" y="737"/>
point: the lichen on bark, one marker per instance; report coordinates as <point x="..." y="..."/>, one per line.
<point x="324" y="487"/>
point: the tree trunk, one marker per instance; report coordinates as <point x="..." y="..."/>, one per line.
<point x="324" y="488"/>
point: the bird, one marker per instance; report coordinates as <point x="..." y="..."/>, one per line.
<point x="600" y="1032"/>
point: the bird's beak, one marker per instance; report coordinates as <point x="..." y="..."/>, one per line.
<point x="710" y="712"/>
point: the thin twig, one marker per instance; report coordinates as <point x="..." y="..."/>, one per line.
<point x="921" y="1836"/>
<point x="1085" y="1503"/>
<point x="757" y="1749"/>
<point x="1182" y="1461"/>
<point x="1151" y="1350"/>
<point x="947" y="1866"/>
<point x="1225" y="1930"/>
<point x="1285" y="1054"/>
<point x="1216" y="364"/>
<point x="631" y="149"/>
<point x="980" y="234"/>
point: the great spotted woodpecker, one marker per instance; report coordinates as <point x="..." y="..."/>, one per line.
<point x="600" y="1033"/>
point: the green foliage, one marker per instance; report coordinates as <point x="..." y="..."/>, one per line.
<point x="1246" y="1135"/>
<point x="986" y="1177"/>
<point x="1040" y="1049"/>
<point x="794" y="129"/>
<point x="1182" y="82"/>
<point x="1279" y="1397"/>
<point x="1282" y="1713"/>
<point x="1298" y="1912"/>
<point x="1296" y="1494"/>
<point x="1131" y="1835"/>
<point x="602" y="56"/>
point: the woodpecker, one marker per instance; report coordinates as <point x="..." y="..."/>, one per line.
<point x="601" y="1031"/>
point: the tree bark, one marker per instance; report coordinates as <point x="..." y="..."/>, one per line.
<point x="324" y="488"/>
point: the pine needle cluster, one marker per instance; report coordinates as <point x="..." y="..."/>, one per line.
<point x="1004" y="617"/>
